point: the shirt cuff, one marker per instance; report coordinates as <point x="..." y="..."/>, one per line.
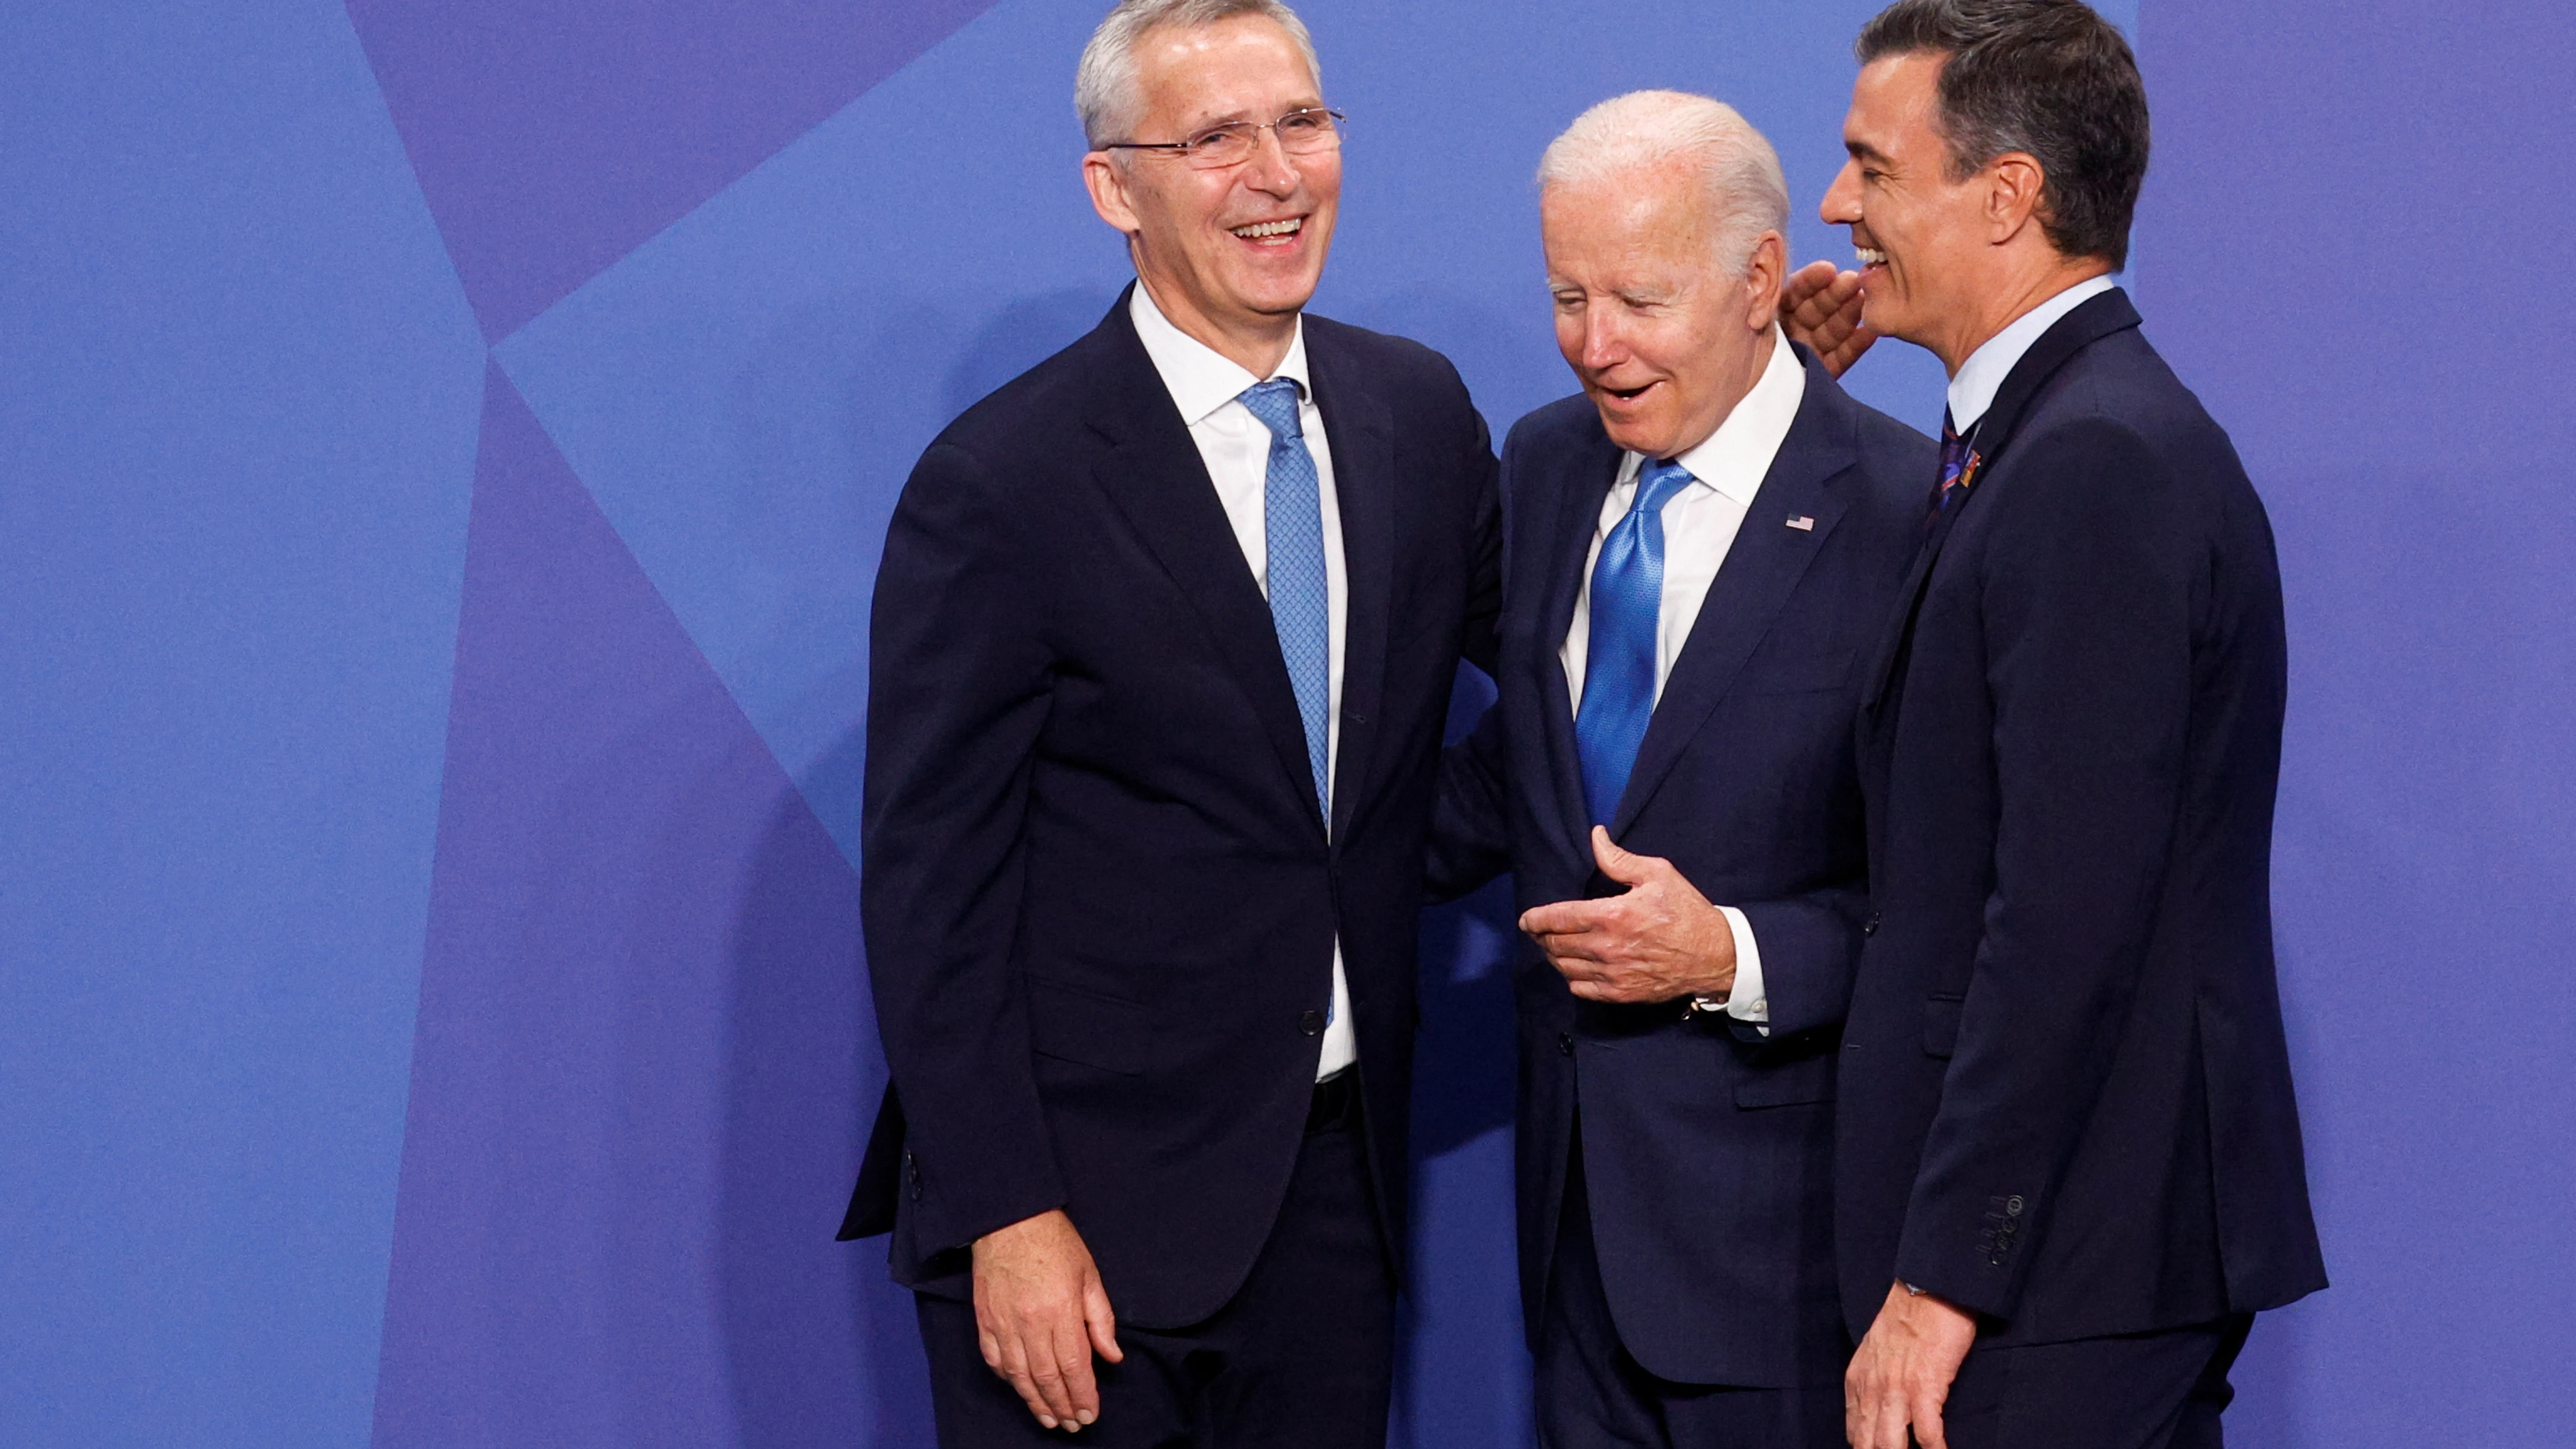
<point x="1746" y="1003"/>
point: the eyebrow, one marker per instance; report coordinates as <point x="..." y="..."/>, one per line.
<point x="1863" y="151"/>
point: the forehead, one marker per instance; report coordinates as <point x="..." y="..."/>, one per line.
<point x="1636" y="222"/>
<point x="1896" y="100"/>
<point x="1241" y="67"/>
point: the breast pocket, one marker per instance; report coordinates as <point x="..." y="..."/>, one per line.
<point x="1809" y="675"/>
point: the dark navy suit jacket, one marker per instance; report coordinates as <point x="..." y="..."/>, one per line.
<point x="2065" y="1099"/>
<point x="1707" y="1148"/>
<point x="1098" y="895"/>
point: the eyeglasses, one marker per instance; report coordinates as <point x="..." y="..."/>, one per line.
<point x="1309" y="132"/>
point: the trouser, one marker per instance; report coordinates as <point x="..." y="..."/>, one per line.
<point x="1591" y="1392"/>
<point x="1301" y="1355"/>
<point x="2139" y="1391"/>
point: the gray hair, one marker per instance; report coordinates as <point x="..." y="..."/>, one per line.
<point x="1652" y="130"/>
<point x="1104" y="84"/>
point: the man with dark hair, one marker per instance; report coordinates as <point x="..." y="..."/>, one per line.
<point x="1163" y="643"/>
<point x="2068" y="1168"/>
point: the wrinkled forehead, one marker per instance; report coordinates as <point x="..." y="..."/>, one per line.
<point x="1241" y="68"/>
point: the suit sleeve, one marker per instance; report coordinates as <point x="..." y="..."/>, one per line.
<point x="1808" y="946"/>
<point x="1470" y="840"/>
<point x="958" y="686"/>
<point x="1481" y="640"/>
<point x="2088" y="593"/>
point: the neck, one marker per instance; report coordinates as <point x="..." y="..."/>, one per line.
<point x="1257" y="343"/>
<point x="2003" y="305"/>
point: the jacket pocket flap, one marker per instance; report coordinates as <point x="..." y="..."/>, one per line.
<point x="1808" y="1079"/>
<point x="1074" y="1025"/>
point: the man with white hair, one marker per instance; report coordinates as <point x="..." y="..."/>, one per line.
<point x="1702" y="544"/>
<point x="1163" y="645"/>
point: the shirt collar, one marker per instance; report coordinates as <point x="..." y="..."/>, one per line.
<point x="1200" y="378"/>
<point x="1735" y="459"/>
<point x="1982" y="375"/>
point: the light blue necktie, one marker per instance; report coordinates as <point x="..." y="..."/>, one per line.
<point x="1292" y="513"/>
<point x="1619" y="657"/>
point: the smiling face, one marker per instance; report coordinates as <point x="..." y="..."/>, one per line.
<point x="1664" y="340"/>
<point x="1923" y="240"/>
<point x="1229" y="254"/>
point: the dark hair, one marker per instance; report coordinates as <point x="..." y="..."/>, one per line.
<point x="2048" y="77"/>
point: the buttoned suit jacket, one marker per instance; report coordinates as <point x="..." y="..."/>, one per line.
<point x="1098" y="895"/>
<point x="2066" y="1102"/>
<point x="1707" y="1147"/>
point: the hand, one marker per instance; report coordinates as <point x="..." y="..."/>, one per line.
<point x="1901" y="1376"/>
<point x="1659" y="941"/>
<point x="1040" y="1313"/>
<point x="1821" y="307"/>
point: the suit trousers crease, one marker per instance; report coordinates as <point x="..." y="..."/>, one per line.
<point x="1301" y="1355"/>
<point x="1591" y="1393"/>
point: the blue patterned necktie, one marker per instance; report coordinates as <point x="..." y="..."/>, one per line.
<point x="1619" y="655"/>
<point x="1292" y="514"/>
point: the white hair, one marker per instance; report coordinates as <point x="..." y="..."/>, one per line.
<point x="1104" y="84"/>
<point x="1666" y="130"/>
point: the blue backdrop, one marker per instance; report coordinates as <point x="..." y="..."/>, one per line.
<point x="443" y="453"/>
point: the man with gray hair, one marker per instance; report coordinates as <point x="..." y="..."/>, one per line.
<point x="1163" y="645"/>
<point x="1702" y="544"/>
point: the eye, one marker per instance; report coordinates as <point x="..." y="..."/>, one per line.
<point x="1299" y="123"/>
<point x="1216" y="142"/>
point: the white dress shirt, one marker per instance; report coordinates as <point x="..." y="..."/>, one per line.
<point x="1207" y="387"/>
<point x="1700" y="523"/>
<point x="1982" y="375"/>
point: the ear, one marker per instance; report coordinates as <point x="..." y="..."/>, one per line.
<point x="2015" y="195"/>
<point x="1764" y="275"/>
<point x="1106" y="180"/>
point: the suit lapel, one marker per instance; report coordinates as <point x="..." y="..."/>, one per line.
<point x="1589" y="478"/>
<point x="1153" y="473"/>
<point x="2089" y="323"/>
<point x="1361" y="434"/>
<point x="1762" y="566"/>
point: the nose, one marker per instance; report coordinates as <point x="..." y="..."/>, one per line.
<point x="1604" y="345"/>
<point x="1841" y="205"/>
<point x="1270" y="170"/>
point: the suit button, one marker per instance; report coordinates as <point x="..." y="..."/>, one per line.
<point x="1312" y="1023"/>
<point x="1565" y="1042"/>
<point x="1870" y="926"/>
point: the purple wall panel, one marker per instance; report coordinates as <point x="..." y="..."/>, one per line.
<point x="644" y="1044"/>
<point x="2348" y="242"/>
<point x="553" y="136"/>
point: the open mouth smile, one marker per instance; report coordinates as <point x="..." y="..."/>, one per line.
<point x="1271" y="233"/>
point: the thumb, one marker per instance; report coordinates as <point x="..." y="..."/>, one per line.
<point x="1620" y="865"/>
<point x="1098" y="1318"/>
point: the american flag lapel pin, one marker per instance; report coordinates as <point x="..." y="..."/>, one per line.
<point x="1803" y="524"/>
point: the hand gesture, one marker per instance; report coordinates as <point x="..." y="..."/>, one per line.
<point x="1659" y="941"/>
<point x="1040" y="1313"/>
<point x="1821" y="307"/>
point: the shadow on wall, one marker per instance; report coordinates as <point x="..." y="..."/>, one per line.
<point x="820" y="1342"/>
